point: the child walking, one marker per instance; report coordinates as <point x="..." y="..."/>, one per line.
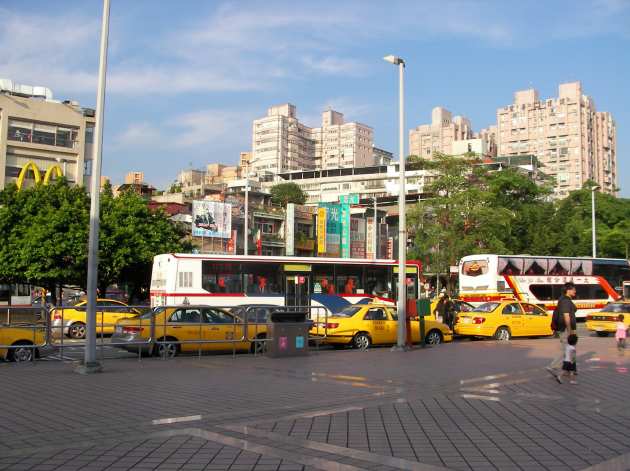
<point x="569" y="367"/>
<point x="622" y="331"/>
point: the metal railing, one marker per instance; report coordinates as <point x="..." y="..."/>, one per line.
<point x="140" y="329"/>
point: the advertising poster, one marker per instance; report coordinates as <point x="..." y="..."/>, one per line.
<point x="345" y="230"/>
<point x="211" y="219"/>
<point x="357" y="238"/>
<point x="333" y="229"/>
<point x="321" y="230"/>
<point x="290" y="229"/>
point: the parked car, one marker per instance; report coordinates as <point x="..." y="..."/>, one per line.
<point x="504" y="320"/>
<point x="71" y="321"/>
<point x="28" y="340"/>
<point x="364" y="325"/>
<point x="604" y="322"/>
<point x="169" y="331"/>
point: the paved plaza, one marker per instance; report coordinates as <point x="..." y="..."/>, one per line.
<point x="470" y="405"/>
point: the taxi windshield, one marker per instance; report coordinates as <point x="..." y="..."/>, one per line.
<point x="486" y="307"/>
<point x="347" y="311"/>
<point x="617" y="307"/>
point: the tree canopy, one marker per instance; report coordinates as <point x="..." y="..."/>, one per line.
<point x="474" y="209"/>
<point x="284" y="193"/>
<point x="44" y="235"/>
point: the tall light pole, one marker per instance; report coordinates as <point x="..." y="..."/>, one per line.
<point x="374" y="232"/>
<point x="246" y="222"/>
<point x="90" y="365"/>
<point x="594" y="188"/>
<point x="402" y="229"/>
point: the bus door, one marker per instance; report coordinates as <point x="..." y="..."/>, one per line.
<point x="297" y="285"/>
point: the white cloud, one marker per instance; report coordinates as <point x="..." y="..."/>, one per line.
<point x="204" y="128"/>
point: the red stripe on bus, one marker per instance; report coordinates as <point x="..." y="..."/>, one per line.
<point x="512" y="286"/>
<point x="162" y="293"/>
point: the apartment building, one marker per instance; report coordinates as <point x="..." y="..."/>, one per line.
<point x="439" y="136"/>
<point x="134" y="178"/>
<point x="282" y="143"/>
<point x="571" y="139"/>
<point x="42" y="138"/>
<point x="340" y="144"/>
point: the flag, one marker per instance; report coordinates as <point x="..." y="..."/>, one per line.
<point x="259" y="242"/>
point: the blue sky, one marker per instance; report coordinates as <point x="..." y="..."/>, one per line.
<point x="186" y="78"/>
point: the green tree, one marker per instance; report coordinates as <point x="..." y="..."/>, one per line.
<point x="529" y="202"/>
<point x="131" y="235"/>
<point x="284" y="193"/>
<point x="457" y="219"/>
<point x="570" y="229"/>
<point x="43" y="235"/>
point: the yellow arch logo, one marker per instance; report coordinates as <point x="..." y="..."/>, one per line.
<point x="37" y="176"/>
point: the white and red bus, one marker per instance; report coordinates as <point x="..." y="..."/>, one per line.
<point x="229" y="280"/>
<point x="539" y="279"/>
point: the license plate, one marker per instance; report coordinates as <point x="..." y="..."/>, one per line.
<point x="466" y="320"/>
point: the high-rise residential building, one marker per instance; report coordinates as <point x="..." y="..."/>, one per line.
<point x="341" y="144"/>
<point x="571" y="139"/>
<point x="281" y="143"/>
<point x="440" y="135"/>
<point x="134" y="178"/>
<point x="42" y="138"/>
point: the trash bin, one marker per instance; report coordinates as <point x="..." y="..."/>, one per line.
<point x="287" y="332"/>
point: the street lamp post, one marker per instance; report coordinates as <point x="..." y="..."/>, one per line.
<point x="402" y="229"/>
<point x="594" y="188"/>
<point x="246" y="221"/>
<point x="90" y="365"/>
<point x="374" y="232"/>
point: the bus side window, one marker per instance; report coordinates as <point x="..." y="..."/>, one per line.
<point x="324" y="279"/>
<point x="219" y="278"/>
<point x="376" y="281"/>
<point x="262" y="279"/>
<point x="349" y="279"/>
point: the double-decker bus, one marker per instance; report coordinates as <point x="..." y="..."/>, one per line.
<point x="539" y="279"/>
<point x="228" y="280"/>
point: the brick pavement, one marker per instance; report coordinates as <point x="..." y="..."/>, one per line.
<point x="465" y="406"/>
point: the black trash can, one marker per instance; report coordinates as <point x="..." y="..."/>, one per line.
<point x="287" y="334"/>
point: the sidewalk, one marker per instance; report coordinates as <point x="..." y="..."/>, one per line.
<point x="465" y="406"/>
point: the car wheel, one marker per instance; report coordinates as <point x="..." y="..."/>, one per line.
<point x="77" y="330"/>
<point x="23" y="353"/>
<point x="258" y="347"/>
<point x="503" y="334"/>
<point x="433" y="338"/>
<point x="362" y="341"/>
<point x="602" y="334"/>
<point x="165" y="349"/>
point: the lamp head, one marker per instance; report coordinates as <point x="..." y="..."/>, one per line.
<point x="595" y="187"/>
<point x="394" y="60"/>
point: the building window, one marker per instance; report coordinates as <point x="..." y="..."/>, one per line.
<point x="50" y="135"/>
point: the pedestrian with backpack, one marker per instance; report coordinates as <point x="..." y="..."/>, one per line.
<point x="563" y="321"/>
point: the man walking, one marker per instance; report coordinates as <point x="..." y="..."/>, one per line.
<point x="564" y="318"/>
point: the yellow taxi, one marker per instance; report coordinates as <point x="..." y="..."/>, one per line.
<point x="503" y="320"/>
<point x="25" y="340"/>
<point x="72" y="320"/>
<point x="374" y="324"/>
<point x="604" y="322"/>
<point x="168" y="331"/>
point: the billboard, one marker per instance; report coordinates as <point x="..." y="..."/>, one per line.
<point x="321" y="230"/>
<point x="357" y="238"/>
<point x="211" y="219"/>
<point x="345" y="230"/>
<point x="290" y="229"/>
<point x="333" y="228"/>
